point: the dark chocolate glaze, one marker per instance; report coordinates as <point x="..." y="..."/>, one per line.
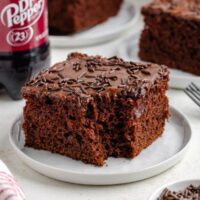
<point x="86" y="76"/>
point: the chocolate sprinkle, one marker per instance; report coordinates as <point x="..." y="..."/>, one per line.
<point x="146" y="72"/>
<point x="77" y="66"/>
<point x="190" y="193"/>
<point x="84" y="76"/>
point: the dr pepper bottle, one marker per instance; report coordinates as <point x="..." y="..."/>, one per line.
<point x="24" y="45"/>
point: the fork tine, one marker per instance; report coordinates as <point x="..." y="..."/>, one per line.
<point x="195" y="86"/>
<point x="193" y="89"/>
<point x="194" y="93"/>
<point x="193" y="96"/>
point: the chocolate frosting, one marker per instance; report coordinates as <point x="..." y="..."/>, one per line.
<point x="184" y="8"/>
<point x="86" y="76"/>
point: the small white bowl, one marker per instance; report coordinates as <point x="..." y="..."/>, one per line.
<point x="175" y="186"/>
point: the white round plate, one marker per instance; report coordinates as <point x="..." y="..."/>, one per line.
<point x="165" y="152"/>
<point x="175" y="186"/>
<point x="129" y="49"/>
<point x="112" y="28"/>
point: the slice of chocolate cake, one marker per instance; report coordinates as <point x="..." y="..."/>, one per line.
<point x="90" y="108"/>
<point x="172" y="34"/>
<point x="71" y="16"/>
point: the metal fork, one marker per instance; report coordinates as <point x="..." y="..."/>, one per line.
<point x="193" y="91"/>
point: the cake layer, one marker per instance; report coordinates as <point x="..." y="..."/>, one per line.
<point x="107" y="107"/>
<point x="171" y="34"/>
<point x="67" y="16"/>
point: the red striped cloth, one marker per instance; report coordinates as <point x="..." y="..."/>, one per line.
<point x="9" y="188"/>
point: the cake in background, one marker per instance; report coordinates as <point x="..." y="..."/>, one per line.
<point x="172" y="34"/>
<point x="71" y="16"/>
<point x="90" y="108"/>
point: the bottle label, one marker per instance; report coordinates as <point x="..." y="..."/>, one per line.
<point x="23" y="24"/>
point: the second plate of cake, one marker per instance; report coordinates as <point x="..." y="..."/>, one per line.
<point x="129" y="50"/>
<point x="111" y="28"/>
<point x="164" y="153"/>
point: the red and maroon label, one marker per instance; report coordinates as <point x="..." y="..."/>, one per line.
<point x="23" y="24"/>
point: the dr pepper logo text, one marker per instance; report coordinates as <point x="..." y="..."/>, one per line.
<point x="19" y="18"/>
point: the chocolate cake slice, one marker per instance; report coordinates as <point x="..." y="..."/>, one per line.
<point x="71" y="16"/>
<point x="172" y="34"/>
<point x="90" y="108"/>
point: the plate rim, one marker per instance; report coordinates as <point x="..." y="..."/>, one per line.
<point x="21" y="154"/>
<point x="97" y="39"/>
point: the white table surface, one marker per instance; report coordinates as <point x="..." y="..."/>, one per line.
<point x="39" y="187"/>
